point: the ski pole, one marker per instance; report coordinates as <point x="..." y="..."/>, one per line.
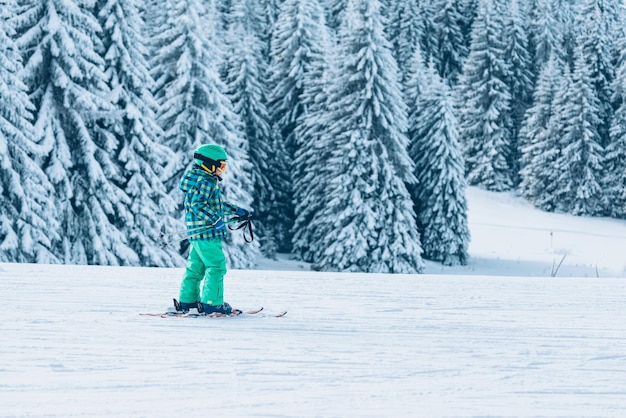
<point x="199" y="230"/>
<point x="183" y="231"/>
<point x="188" y="230"/>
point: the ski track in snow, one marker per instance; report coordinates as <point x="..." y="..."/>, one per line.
<point x="352" y="345"/>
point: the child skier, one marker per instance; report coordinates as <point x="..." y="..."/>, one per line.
<point x="204" y="218"/>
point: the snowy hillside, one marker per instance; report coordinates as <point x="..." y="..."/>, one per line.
<point x="512" y="238"/>
<point x="352" y="345"/>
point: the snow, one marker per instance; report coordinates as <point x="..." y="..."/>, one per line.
<point x="498" y="337"/>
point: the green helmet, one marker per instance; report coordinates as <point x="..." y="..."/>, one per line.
<point x="209" y="154"/>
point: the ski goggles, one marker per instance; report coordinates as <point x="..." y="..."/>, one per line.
<point x="223" y="166"/>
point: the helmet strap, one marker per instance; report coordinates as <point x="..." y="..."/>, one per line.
<point x="213" y="173"/>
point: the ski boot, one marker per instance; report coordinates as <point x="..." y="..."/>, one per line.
<point x="184" y="307"/>
<point x="223" y="309"/>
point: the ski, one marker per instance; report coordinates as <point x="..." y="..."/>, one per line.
<point x="193" y="313"/>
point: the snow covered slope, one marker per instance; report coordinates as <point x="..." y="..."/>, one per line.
<point x="74" y="345"/>
<point x="456" y="342"/>
<point x="511" y="237"/>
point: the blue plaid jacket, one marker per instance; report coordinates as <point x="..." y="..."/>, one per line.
<point x="203" y="204"/>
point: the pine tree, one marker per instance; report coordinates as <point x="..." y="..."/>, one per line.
<point x="539" y="142"/>
<point x="439" y="197"/>
<point x="246" y="74"/>
<point x="255" y="19"/>
<point x="520" y="77"/>
<point x="544" y="33"/>
<point x="566" y="12"/>
<point x="154" y="15"/>
<point x="293" y="37"/>
<point x="271" y="10"/>
<point x="28" y="222"/>
<point x="612" y="12"/>
<point x="407" y="28"/>
<point x="450" y="49"/>
<point x="64" y="72"/>
<point x="295" y="52"/>
<point x="581" y="161"/>
<point x="310" y="159"/>
<point x="249" y="17"/>
<point x="335" y="13"/>
<point x="139" y="156"/>
<point x="428" y="41"/>
<point x="614" y="182"/>
<point x="468" y="9"/>
<point x="417" y="77"/>
<point x="485" y="104"/>
<point x="195" y="110"/>
<point x="600" y="53"/>
<point x="369" y="224"/>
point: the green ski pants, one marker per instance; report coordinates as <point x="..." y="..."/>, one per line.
<point x="206" y="262"/>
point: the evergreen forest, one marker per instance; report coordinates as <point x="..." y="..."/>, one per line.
<point x="353" y="127"/>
